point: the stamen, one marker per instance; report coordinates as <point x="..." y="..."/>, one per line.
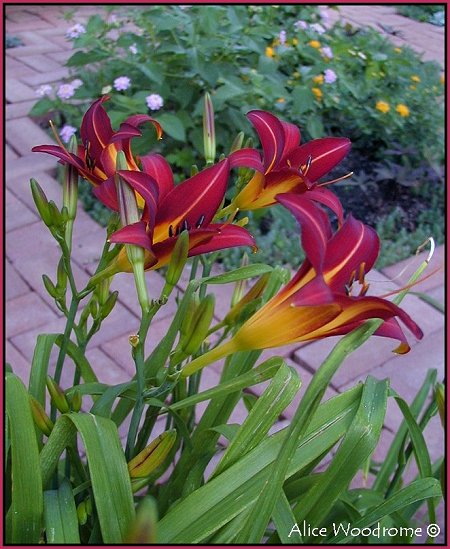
<point x="361" y="273"/>
<point x="430" y="239"/>
<point x="170" y="231"/>
<point x="308" y="163"/>
<point x="200" y="221"/>
<point x="177" y="230"/>
<point x="185" y="225"/>
<point x="336" y="180"/>
<point x="58" y="140"/>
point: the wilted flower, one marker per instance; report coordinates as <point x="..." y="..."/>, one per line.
<point x="326" y="51"/>
<point x="301" y="25"/>
<point x="402" y="110"/>
<point x="44" y="90"/>
<point x="282" y="37"/>
<point x="382" y="106"/>
<point x="330" y="76"/>
<point x="133" y="49"/>
<point x="317" y="27"/>
<point x="77" y="30"/>
<point x="67" y="132"/>
<point x="122" y="83"/>
<point x="154" y="101"/>
<point x="65" y="91"/>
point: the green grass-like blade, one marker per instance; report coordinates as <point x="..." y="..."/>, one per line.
<point x="284" y="520"/>
<point x="207" y="509"/>
<point x="264" y="413"/>
<point x="25" y="513"/>
<point x="418" y="490"/>
<point x="60" y="515"/>
<point x="107" y="467"/>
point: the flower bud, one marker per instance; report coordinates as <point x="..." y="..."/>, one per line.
<point x="152" y="456"/>
<point x="254" y="293"/>
<point x="93" y="307"/>
<point x="209" y="132"/>
<point x="241" y="284"/>
<point x="41" y="202"/>
<point x="57" y="395"/>
<point x="82" y="513"/>
<point x="194" y="170"/>
<point x="178" y="259"/>
<point x="50" y="287"/>
<point x="237" y="142"/>
<point x="43" y="422"/>
<point x="55" y="214"/>
<point x="109" y="304"/>
<point x="76" y="400"/>
<point x="199" y="326"/>
<point x="61" y="276"/>
<point x="143" y="529"/>
<point x="439" y="395"/>
<point x="186" y="322"/>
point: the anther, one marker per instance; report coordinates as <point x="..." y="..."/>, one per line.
<point x="200" y="221"/>
<point x="170" y="231"/>
<point x="185" y="225"/>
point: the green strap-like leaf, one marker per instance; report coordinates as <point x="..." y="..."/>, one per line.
<point x="60" y="514"/>
<point x="242" y="273"/>
<point x="107" y="468"/>
<point x="418" y="490"/>
<point x="25" y="514"/>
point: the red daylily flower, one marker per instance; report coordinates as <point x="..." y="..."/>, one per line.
<point x="96" y="158"/>
<point x="170" y="209"/>
<point x="287" y="166"/>
<point x="318" y="301"/>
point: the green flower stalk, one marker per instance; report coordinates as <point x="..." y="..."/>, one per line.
<point x="209" y="132"/>
<point x="129" y="214"/>
<point x="70" y="192"/>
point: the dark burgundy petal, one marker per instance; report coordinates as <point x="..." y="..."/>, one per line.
<point x="147" y="188"/>
<point x="291" y="139"/>
<point x="157" y="167"/>
<point x="224" y="236"/>
<point x="106" y="193"/>
<point x="353" y="244"/>
<point x="325" y="153"/>
<point x="96" y="130"/>
<point x="246" y="158"/>
<point x="199" y="197"/>
<point x="271" y="134"/>
<point x="135" y="233"/>
<point x="314" y="224"/>
<point x="329" y="199"/>
<point x="56" y="150"/>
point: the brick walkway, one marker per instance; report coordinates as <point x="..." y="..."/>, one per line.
<point x="30" y="251"/>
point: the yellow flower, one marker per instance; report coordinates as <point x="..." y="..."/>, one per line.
<point x="314" y="44"/>
<point x="413" y="87"/>
<point x="382" y="106"/>
<point x="281" y="100"/>
<point x="442" y="79"/>
<point x="415" y="78"/>
<point x="296" y="74"/>
<point x="294" y="41"/>
<point x="318" y="79"/>
<point x="402" y="110"/>
<point x="269" y="52"/>
<point x="317" y="93"/>
<point x="276" y="42"/>
<point x="398" y="50"/>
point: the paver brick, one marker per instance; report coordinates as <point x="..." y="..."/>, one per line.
<point x="61" y="56"/>
<point x="46" y="77"/>
<point x="41" y="63"/>
<point x="106" y="369"/>
<point x="10" y="154"/>
<point x="19" y="364"/>
<point x="16" y="91"/>
<point x="29" y="165"/>
<point x="44" y="47"/>
<point x="20" y="184"/>
<point x="23" y="134"/>
<point x="17" y="214"/>
<point x="26" y="312"/>
<point x="18" y="110"/>
<point x="15" y="285"/>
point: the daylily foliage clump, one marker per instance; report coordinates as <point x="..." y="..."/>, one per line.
<point x="162" y="481"/>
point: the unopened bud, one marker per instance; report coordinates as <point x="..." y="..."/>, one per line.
<point x="186" y="322"/>
<point x="61" y="276"/>
<point x="209" y="132"/>
<point x="143" y="529"/>
<point x="50" y="287"/>
<point x="93" y="307"/>
<point x="439" y="394"/>
<point x="55" y="214"/>
<point x="57" y="395"/>
<point x="102" y="290"/>
<point x="237" y="142"/>
<point x="109" y="305"/>
<point x="76" y="400"/>
<point x="254" y="293"/>
<point x="152" y="456"/>
<point x="178" y="259"/>
<point x="194" y="170"/>
<point x="199" y="326"/>
<point x="41" y="202"/>
<point x="43" y="422"/>
<point x="240" y="285"/>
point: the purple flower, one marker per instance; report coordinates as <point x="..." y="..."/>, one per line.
<point x="44" y="90"/>
<point x="317" y="27"/>
<point x="330" y="76"/>
<point x="122" y="83"/>
<point x="154" y="101"/>
<point x="282" y="37"/>
<point x="65" y="91"/>
<point x="77" y="83"/>
<point x="67" y="132"/>
<point x="133" y="49"/>
<point x="77" y="30"/>
<point x="327" y="52"/>
<point x="300" y="25"/>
